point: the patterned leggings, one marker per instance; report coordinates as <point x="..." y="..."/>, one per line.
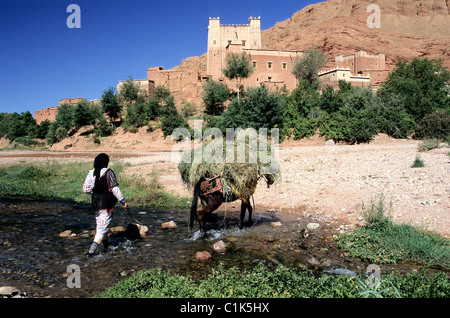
<point x="103" y="220"/>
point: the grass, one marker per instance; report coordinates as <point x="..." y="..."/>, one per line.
<point x="383" y="242"/>
<point x="428" y="144"/>
<point x="281" y="282"/>
<point x="65" y="181"/>
<point x="418" y="163"/>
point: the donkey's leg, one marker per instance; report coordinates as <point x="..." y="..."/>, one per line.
<point x="243" y="209"/>
<point x="250" y="211"/>
<point x="245" y="205"/>
<point x="213" y="201"/>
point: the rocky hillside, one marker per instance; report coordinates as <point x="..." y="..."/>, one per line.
<point x="409" y="29"/>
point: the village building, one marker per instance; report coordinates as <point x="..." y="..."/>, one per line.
<point x="49" y="113"/>
<point x="359" y="69"/>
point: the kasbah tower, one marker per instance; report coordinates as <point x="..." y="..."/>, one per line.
<point x="221" y="36"/>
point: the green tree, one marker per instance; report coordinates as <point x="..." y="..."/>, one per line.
<point x="238" y="67"/>
<point x="257" y="109"/>
<point x="354" y="121"/>
<point x="13" y="126"/>
<point x="423" y="83"/>
<point x="83" y="115"/>
<point x="171" y="118"/>
<point x="215" y="94"/>
<point x="301" y="112"/>
<point x="135" y="116"/>
<point x="65" y="116"/>
<point x="392" y="117"/>
<point x="43" y="128"/>
<point x="50" y="137"/>
<point x="131" y="92"/>
<point x="307" y="66"/>
<point x="110" y="104"/>
<point x="161" y="93"/>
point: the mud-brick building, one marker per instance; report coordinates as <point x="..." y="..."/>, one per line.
<point x="360" y="69"/>
<point x="49" y="113"/>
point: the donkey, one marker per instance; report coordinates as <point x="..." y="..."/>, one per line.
<point x="212" y="200"/>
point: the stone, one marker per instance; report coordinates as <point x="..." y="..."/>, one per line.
<point x="117" y="229"/>
<point x="275" y="224"/>
<point x="312" y="226"/>
<point x="313" y="261"/>
<point x="9" y="291"/>
<point x="341" y="271"/>
<point x="330" y="142"/>
<point x="203" y="255"/>
<point x="219" y="247"/>
<point x="169" y="225"/>
<point x="65" y="233"/>
<point x="135" y="231"/>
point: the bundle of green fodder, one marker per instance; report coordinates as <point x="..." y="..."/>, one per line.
<point x="239" y="172"/>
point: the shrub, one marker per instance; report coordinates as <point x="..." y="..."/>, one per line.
<point x="435" y="125"/>
<point x="374" y="214"/>
<point x="418" y="163"/>
<point x="349" y="125"/>
<point x="428" y="144"/>
<point x="305" y="127"/>
<point x="33" y="172"/>
<point x="187" y="109"/>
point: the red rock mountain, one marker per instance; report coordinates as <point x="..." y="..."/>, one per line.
<point x="408" y="29"/>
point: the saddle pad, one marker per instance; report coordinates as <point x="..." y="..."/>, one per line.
<point x="211" y="185"/>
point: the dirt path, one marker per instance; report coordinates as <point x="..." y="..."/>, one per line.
<point x="329" y="182"/>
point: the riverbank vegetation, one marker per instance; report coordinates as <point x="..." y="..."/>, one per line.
<point x="381" y="241"/>
<point x="281" y="282"/>
<point x="65" y="181"/>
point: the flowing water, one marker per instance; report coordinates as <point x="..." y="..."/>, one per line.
<point x="35" y="259"/>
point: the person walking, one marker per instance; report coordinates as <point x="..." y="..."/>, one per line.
<point x="102" y="184"/>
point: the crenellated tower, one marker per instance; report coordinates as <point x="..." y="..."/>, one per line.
<point x="221" y="36"/>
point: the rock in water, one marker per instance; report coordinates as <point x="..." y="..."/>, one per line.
<point x="219" y="247"/>
<point x="203" y="256"/>
<point x="312" y="226"/>
<point x="9" y="291"/>
<point x="65" y="233"/>
<point x="169" y="225"/>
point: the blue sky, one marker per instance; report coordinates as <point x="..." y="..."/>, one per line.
<point x="43" y="61"/>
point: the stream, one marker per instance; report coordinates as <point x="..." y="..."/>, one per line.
<point x="35" y="259"/>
